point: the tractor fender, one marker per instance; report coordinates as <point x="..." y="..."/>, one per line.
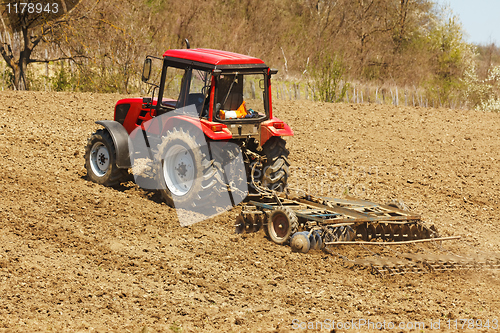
<point x="120" y="139"/>
<point x="202" y="125"/>
<point x="267" y="130"/>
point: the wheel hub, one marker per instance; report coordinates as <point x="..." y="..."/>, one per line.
<point x="102" y="158"/>
<point x="280" y="226"/>
<point x="99" y="159"/>
<point x="179" y="170"/>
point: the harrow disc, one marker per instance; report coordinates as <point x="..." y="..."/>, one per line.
<point x="372" y="232"/>
<point x="312" y="240"/>
<point x="414" y="232"/>
<point x="265" y="221"/>
<point x="433" y="232"/>
<point x="380" y="231"/>
<point x="405" y="231"/>
<point x="397" y="233"/>
<point x="257" y="222"/>
<point x="318" y="240"/>
<point x="300" y="242"/>
<point x="347" y="233"/>
<point x="389" y="233"/>
<point x="249" y="224"/>
<point x="338" y="234"/>
<point x="240" y="224"/>
<point x="362" y="232"/>
<point x="424" y="233"/>
<point x="329" y="235"/>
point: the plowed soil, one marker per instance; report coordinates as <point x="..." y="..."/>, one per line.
<point x="77" y="256"/>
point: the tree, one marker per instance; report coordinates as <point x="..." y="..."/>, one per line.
<point x="451" y="54"/>
<point x="24" y="26"/>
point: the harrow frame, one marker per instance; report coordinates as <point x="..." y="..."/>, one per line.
<point x="366" y="221"/>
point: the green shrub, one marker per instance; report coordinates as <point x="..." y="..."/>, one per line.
<point x="328" y="79"/>
<point x="62" y="80"/>
<point x="6" y="77"/>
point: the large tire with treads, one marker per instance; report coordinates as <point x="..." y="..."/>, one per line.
<point x="276" y="168"/>
<point x="282" y="223"/>
<point x="100" y="160"/>
<point x="184" y="170"/>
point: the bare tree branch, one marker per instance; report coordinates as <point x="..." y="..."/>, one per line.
<point x="58" y="59"/>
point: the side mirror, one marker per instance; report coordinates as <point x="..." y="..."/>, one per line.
<point x="273" y="71"/>
<point x="146" y="70"/>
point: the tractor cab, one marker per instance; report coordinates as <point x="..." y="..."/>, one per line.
<point x="224" y="87"/>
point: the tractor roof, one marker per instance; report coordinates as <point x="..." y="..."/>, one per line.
<point x="215" y="58"/>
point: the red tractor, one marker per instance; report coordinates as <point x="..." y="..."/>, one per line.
<point x="229" y="118"/>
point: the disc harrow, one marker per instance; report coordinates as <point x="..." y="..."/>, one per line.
<point x="330" y="221"/>
<point x="319" y="223"/>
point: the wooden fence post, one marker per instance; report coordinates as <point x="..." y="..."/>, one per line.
<point x="46" y="70"/>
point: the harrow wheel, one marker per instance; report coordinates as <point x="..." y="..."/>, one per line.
<point x="281" y="225"/>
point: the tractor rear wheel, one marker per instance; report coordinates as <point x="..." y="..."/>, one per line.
<point x="276" y="168"/>
<point x="100" y="160"/>
<point x="281" y="225"/>
<point x="185" y="172"/>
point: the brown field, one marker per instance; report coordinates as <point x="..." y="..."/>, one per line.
<point x="77" y="256"/>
